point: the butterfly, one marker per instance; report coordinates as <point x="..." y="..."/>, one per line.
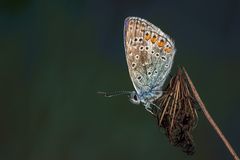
<point x="149" y="55"/>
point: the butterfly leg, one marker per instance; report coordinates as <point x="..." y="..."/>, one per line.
<point x="148" y="108"/>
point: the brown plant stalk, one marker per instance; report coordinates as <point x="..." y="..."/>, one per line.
<point x="210" y="119"/>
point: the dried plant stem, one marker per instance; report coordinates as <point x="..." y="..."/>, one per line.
<point x="210" y="119"/>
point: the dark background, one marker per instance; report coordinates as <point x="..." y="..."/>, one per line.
<point x="55" y="55"/>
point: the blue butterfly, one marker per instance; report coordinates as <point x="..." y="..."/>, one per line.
<point x="149" y="54"/>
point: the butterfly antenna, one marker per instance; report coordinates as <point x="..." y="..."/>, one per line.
<point x="116" y="93"/>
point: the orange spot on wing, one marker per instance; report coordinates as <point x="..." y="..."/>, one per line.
<point x="161" y="43"/>
<point x="168" y="50"/>
<point x="154" y="39"/>
<point x="147" y="36"/>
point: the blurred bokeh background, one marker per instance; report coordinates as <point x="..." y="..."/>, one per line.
<point x="55" y="55"/>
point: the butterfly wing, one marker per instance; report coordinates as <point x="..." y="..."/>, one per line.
<point x="149" y="53"/>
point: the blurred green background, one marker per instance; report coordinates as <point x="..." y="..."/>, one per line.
<point x="55" y="55"/>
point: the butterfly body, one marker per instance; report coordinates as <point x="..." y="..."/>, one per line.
<point x="149" y="54"/>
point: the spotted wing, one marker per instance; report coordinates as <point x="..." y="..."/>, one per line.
<point x="149" y="53"/>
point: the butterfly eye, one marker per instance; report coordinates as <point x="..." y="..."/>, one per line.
<point x="135" y="97"/>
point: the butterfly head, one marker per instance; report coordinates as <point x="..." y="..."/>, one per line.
<point x="134" y="98"/>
